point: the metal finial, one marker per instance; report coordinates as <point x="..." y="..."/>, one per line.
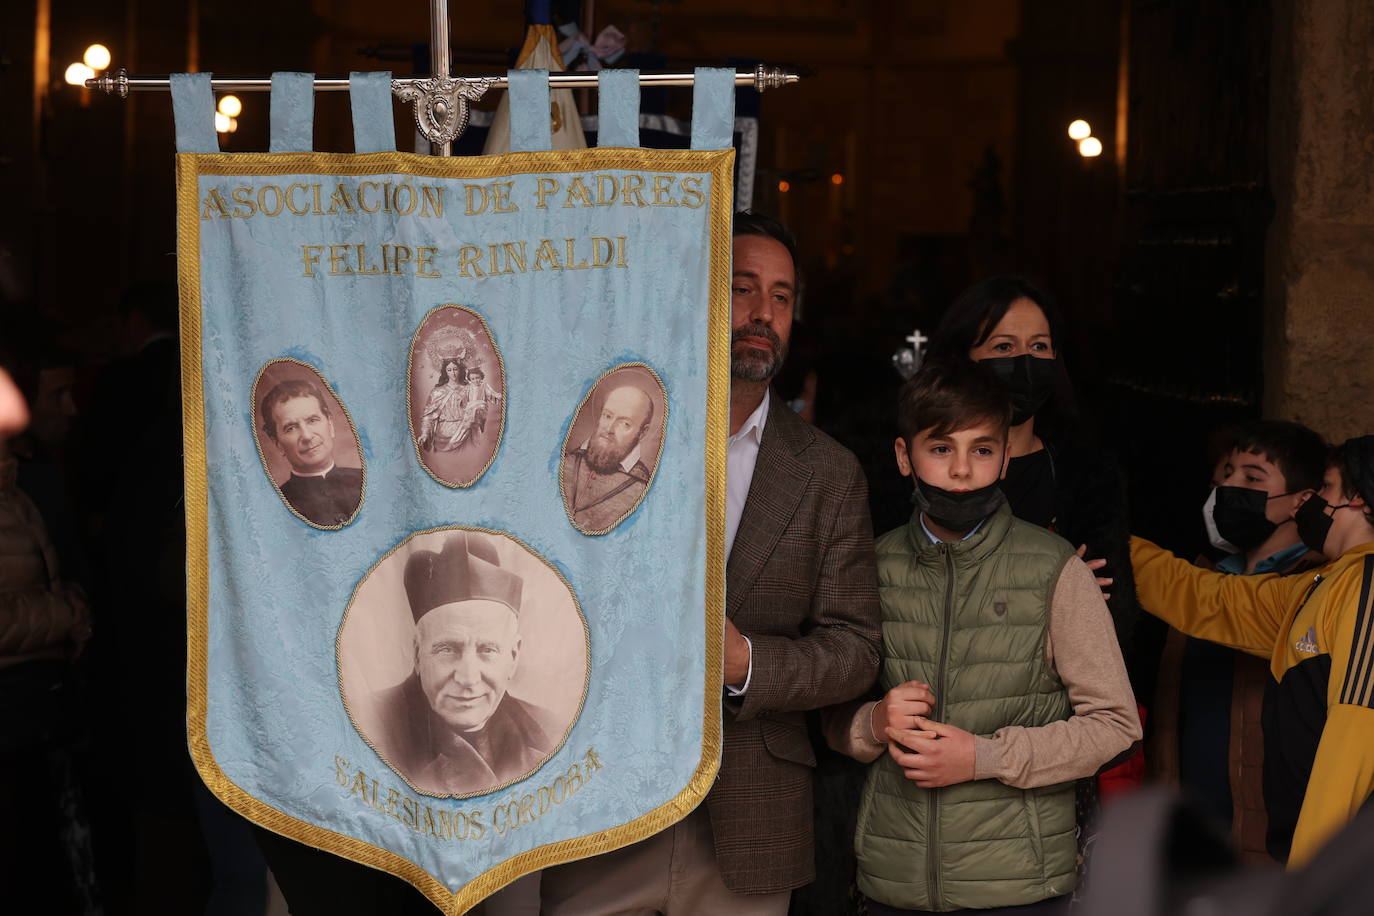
<point x="766" y="77"/>
<point x="112" y="83"/>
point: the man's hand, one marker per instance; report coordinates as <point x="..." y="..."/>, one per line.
<point x="736" y="656"/>
<point x="936" y="755"/>
<point x="1095" y="565"/>
<point x="900" y="708"/>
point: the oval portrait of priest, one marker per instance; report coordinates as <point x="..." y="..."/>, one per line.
<point x="613" y="447"/>
<point x="457" y="403"/>
<point x="308" y="444"/>
<point x="463" y="661"/>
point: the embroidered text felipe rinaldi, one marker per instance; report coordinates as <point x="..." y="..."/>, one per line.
<point x="472" y="261"/>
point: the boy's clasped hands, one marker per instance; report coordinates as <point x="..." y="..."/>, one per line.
<point x="930" y="753"/>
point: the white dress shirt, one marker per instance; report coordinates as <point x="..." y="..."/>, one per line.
<point x="741" y="457"/>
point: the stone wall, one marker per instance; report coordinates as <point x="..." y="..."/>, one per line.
<point x="1319" y="332"/>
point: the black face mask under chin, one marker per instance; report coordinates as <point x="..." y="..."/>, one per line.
<point x="957" y="512"/>
<point x="1028" y="379"/>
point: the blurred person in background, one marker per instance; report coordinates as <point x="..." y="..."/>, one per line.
<point x="44" y="625"/>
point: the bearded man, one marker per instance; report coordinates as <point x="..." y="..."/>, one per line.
<point x="605" y="477"/>
<point x="802" y="631"/>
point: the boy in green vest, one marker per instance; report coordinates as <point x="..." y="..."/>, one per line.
<point x="1003" y="678"/>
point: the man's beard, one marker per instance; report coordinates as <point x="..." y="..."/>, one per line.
<point x="748" y="363"/>
<point x="603" y="456"/>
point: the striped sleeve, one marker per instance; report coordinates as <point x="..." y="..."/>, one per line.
<point x="1357" y="687"/>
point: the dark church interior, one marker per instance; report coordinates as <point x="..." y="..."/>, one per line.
<point x="1207" y="233"/>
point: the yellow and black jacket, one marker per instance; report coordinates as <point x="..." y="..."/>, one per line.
<point x="1317" y="630"/>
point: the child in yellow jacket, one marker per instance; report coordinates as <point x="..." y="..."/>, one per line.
<point x="1317" y="630"/>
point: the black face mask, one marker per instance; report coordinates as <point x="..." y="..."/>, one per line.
<point x="1314" y="524"/>
<point x="1029" y="379"/>
<point x="957" y="512"/>
<point x="1239" y="516"/>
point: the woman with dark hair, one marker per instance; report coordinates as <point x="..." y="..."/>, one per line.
<point x="1055" y="477"/>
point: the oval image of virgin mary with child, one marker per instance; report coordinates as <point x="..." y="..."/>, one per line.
<point x="457" y="395"/>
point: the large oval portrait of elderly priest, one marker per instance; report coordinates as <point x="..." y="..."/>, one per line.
<point x="463" y="661"/>
<point x="613" y="447"/>
<point x="457" y="404"/>
<point x="308" y="445"/>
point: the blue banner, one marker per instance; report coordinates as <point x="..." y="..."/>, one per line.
<point x="455" y="458"/>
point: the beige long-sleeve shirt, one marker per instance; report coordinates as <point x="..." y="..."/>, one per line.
<point x="1081" y="647"/>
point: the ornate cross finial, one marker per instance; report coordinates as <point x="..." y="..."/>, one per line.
<point x="441" y="103"/>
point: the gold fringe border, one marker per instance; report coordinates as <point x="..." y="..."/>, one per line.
<point x="189" y="168"/>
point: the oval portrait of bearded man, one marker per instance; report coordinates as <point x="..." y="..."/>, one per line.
<point x="463" y="660"/>
<point x="613" y="447"/>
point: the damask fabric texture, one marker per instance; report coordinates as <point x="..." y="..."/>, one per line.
<point x="564" y="696"/>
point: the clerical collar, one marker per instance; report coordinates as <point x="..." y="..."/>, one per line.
<point x="296" y="473"/>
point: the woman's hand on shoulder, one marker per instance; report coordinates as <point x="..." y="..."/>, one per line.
<point x="1102" y="581"/>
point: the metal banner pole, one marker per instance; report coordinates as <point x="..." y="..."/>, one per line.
<point x="440" y="102"/>
<point x="439" y="60"/>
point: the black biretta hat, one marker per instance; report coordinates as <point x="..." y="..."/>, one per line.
<point x="466" y="568"/>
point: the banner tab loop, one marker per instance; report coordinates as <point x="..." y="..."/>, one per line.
<point x="293" y="113"/>
<point x="370" y="96"/>
<point x="618" y="92"/>
<point x="193" y="110"/>
<point x="713" y="108"/>
<point x="530" y="125"/>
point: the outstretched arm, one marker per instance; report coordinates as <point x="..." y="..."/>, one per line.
<point x="1243" y="612"/>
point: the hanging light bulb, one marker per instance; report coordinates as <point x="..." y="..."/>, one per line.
<point x="1080" y="130"/>
<point x="1090" y="147"/>
<point x="231" y="106"/>
<point x="222" y="124"/>
<point x="97" y="57"/>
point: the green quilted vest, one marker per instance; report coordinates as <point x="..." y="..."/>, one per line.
<point x="969" y="619"/>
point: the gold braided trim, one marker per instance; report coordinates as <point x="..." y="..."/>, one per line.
<point x="190" y="167"/>
<point x="720" y="163"/>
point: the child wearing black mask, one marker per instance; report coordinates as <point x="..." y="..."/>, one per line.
<point x="1268" y="470"/>
<point x="1003" y="679"/>
<point x="1317" y="631"/>
<point x="1271" y="469"/>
